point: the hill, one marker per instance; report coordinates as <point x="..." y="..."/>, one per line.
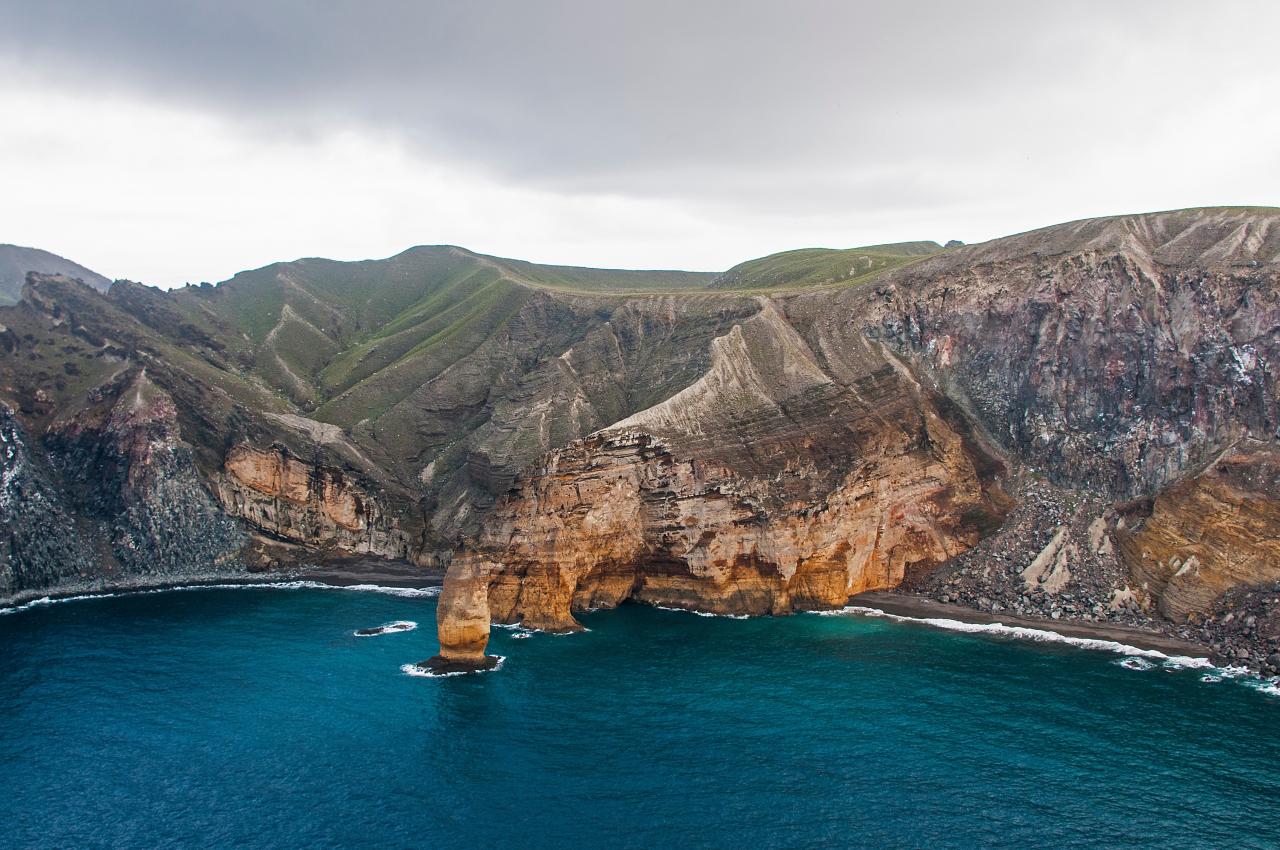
<point x="16" y="261"/>
<point x="807" y="267"/>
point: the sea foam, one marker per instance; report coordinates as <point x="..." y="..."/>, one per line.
<point x="703" y="613"/>
<point x="405" y="592"/>
<point x="387" y="628"/>
<point x="1136" y="657"/>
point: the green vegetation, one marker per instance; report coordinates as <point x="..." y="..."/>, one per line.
<point x="613" y="281"/>
<point x="808" y="267"/>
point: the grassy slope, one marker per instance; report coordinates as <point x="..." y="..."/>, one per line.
<point x="809" y="267"/>
<point x="348" y="340"/>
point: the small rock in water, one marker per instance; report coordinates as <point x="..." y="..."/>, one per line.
<point x="387" y="628"/>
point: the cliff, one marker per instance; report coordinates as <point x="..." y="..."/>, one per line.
<point x="1078" y="368"/>
<point x="1209" y="532"/>
<point x="767" y="486"/>
<point x="309" y="504"/>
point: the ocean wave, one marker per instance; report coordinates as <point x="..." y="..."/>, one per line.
<point x="1135" y="663"/>
<point x="1270" y="687"/>
<point x="300" y="584"/>
<point x="523" y="631"/>
<point x="387" y="628"/>
<point x="703" y="613"/>
<point x="1136" y="657"/>
<point x="1024" y="633"/>
<point x="417" y="672"/>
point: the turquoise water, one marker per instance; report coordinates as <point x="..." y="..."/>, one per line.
<point x="253" y="718"/>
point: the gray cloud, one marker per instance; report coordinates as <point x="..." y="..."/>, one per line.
<point x="730" y="101"/>
<point x="772" y="123"/>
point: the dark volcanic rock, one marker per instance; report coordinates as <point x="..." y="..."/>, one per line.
<point x="44" y="547"/>
<point x="123" y="462"/>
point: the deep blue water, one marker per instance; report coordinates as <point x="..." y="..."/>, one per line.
<point x="253" y="718"/>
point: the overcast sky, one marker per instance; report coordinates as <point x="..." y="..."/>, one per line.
<point x="180" y="141"/>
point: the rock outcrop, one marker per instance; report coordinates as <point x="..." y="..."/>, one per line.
<point x="309" y="504"/>
<point x="124" y="464"/>
<point x="1110" y="356"/>
<point x="43" y="549"/>
<point x="767" y="486"/>
<point x="1209" y="533"/>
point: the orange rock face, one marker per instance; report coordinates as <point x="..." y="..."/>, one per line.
<point x="303" y="503"/>
<point x="270" y="472"/>
<point x="1209" y="533"/>
<point x="767" y="487"/>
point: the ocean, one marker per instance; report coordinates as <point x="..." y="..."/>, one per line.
<point x="255" y="717"/>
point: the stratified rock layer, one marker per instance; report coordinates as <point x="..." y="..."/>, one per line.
<point x="767" y="486"/>
<point x="308" y="503"/>
<point x="1209" y="533"/>
<point x="1109" y="355"/>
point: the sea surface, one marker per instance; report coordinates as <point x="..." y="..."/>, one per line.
<point x="256" y="718"/>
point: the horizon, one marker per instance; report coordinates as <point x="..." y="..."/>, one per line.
<point x="176" y="144"/>
<point x="552" y="263"/>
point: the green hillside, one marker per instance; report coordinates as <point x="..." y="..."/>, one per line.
<point x="822" y="266"/>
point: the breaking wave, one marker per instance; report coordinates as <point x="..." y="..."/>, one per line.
<point x="703" y="613"/>
<point x="1136" y="657"/>
<point x="405" y="592"/>
<point x="387" y="628"/>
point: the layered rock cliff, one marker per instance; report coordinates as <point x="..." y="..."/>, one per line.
<point x="308" y="503"/>
<point x="1113" y="356"/>
<point x="767" y="486"/>
<point x="1208" y="533"/>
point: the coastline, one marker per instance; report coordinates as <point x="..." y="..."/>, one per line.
<point x="374" y="572"/>
<point x="921" y="607"/>
<point x="353" y="571"/>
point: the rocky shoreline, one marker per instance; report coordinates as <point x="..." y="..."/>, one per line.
<point x="922" y="607"/>
<point x="337" y="572"/>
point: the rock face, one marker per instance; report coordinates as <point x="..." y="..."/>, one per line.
<point x="1209" y="533"/>
<point x="126" y="465"/>
<point x="306" y="503"/>
<point x="41" y="552"/>
<point x="1111" y="356"/>
<point x="769" y="485"/>
<point x="111" y="496"/>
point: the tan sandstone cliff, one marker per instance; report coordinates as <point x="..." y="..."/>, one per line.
<point x="307" y="503"/>
<point x="767" y="486"/>
<point x="1209" y="533"/>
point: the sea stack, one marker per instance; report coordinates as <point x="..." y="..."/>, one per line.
<point x="462" y="620"/>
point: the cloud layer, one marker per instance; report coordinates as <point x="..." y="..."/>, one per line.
<point x="755" y="125"/>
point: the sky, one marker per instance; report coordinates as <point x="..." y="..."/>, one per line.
<point x="172" y="142"/>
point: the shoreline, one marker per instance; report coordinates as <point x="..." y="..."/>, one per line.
<point x="337" y="573"/>
<point x="354" y="572"/>
<point x="922" y="607"/>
